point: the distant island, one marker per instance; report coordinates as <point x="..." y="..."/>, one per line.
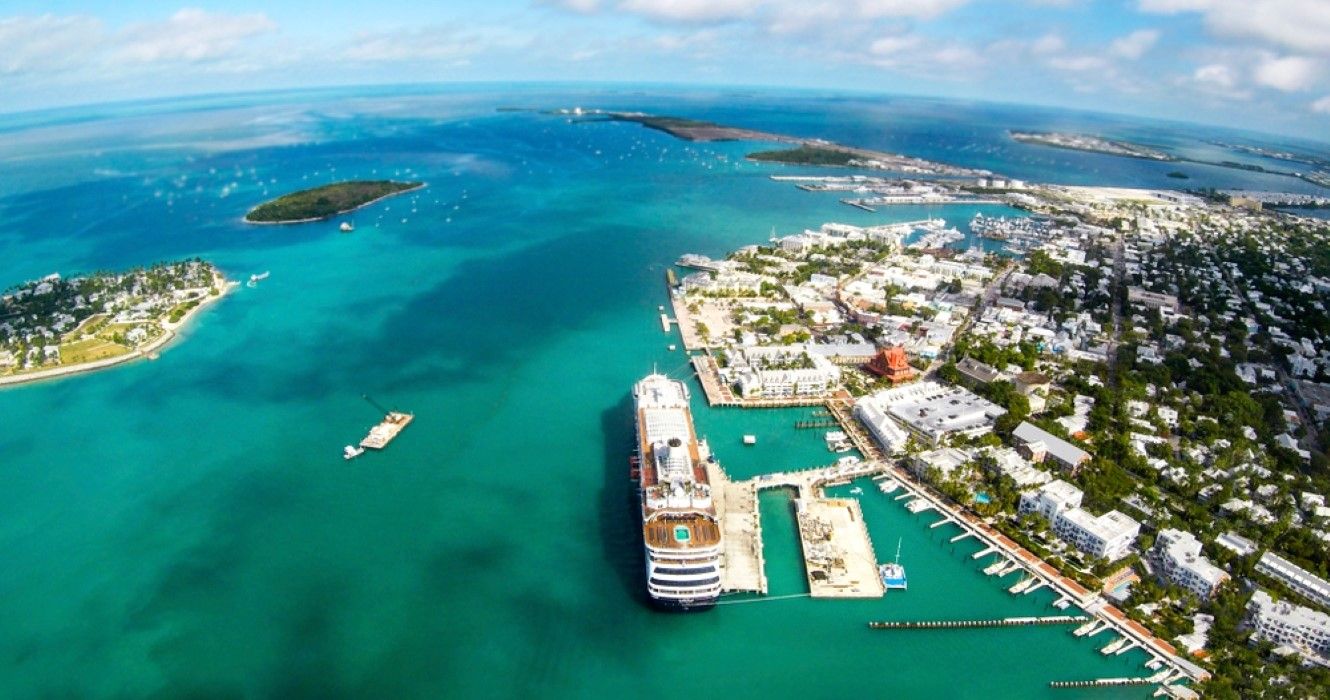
<point x="1179" y="175"/>
<point x="1090" y="144"/>
<point x="327" y="201"/>
<point x="54" y="326"/>
<point x="804" y="152"/>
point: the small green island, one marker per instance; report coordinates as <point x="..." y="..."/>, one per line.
<point x="807" y="154"/>
<point x="325" y="202"/>
<point x="56" y="326"/>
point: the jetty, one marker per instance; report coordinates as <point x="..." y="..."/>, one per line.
<point x="971" y="624"/>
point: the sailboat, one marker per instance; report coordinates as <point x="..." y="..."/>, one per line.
<point x="893" y="574"/>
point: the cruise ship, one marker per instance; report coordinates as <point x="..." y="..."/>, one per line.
<point x="680" y="530"/>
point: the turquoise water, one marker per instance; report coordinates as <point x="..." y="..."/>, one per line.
<point x="188" y="526"/>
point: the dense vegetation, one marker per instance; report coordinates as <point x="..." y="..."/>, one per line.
<point x="805" y="155"/>
<point x="323" y="202"/>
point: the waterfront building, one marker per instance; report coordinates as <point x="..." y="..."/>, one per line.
<point x="1302" y="581"/>
<point x="1177" y="558"/>
<point x="782" y="372"/>
<point x="1281" y="622"/>
<point x="1108" y="536"/>
<point x="934" y="411"/>
<point x="884" y="429"/>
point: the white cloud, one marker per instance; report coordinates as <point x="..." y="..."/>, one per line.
<point x="691" y="10"/>
<point x="921" y="9"/>
<point x="1299" y="25"/>
<point x="1322" y="106"/>
<point x="1136" y="44"/>
<point x="1215" y="75"/>
<point x="190" y="35"/>
<point x="891" y="45"/>
<point x="776" y="16"/>
<point x="1288" y="73"/>
<point x="46" y="43"/>
<point x="1078" y="64"/>
<point x="1048" y="43"/>
<point x="425" y="43"/>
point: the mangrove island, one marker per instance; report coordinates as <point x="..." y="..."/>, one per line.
<point x="327" y="201"/>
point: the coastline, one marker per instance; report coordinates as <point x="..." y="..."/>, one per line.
<point x="288" y="222"/>
<point x="169" y="334"/>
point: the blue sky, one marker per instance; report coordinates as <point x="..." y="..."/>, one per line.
<point x="1257" y="64"/>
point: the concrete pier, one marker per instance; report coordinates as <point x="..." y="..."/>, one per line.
<point x="962" y="536"/>
<point x="743" y="568"/>
<point x="838" y="555"/>
<point x="983" y="552"/>
<point x="939" y="523"/>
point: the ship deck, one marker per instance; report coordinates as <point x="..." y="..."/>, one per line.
<point x="681" y="531"/>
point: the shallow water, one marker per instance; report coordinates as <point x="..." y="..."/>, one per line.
<point x="188" y="526"/>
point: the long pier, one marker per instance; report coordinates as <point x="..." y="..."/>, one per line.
<point x="970" y="624"/>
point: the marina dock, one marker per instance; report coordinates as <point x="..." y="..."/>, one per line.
<point x="1036" y="569"/>
<point x="970" y="624"/>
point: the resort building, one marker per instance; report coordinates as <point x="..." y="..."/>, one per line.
<point x="1038" y="445"/>
<point x="1303" y="629"/>
<point x="1108" y="536"/>
<point x="886" y="431"/>
<point x="1302" y="581"/>
<point x="934" y="411"/>
<point x="782" y="372"/>
<point x="1177" y="558"/>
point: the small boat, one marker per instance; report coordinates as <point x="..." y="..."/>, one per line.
<point x="346" y="227"/>
<point x="672" y="348"/>
<point x="893" y="574"/>
<point x="856" y="490"/>
<point x="837" y="441"/>
<point x="888" y="486"/>
<point x="750" y="439"/>
<point x="351" y="452"/>
<point x="255" y="279"/>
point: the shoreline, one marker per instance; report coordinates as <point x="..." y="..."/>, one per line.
<point x="289" y="222"/>
<point x="169" y="334"/>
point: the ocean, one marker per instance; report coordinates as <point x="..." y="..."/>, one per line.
<point x="187" y="526"/>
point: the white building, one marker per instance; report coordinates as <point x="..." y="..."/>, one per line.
<point x="884" y="429"/>
<point x="779" y="372"/>
<point x="1283" y="623"/>
<point x="1295" y="577"/>
<point x="1108" y="536"/>
<point x="1177" y="558"/>
<point x="935" y="411"/>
